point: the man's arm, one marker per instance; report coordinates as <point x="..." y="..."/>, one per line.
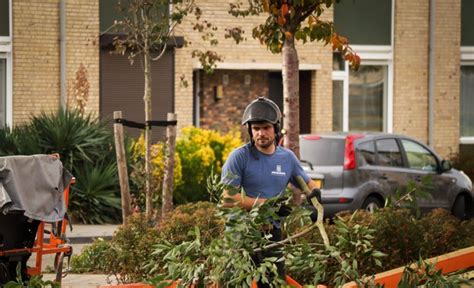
<point x="312" y="184"/>
<point x="245" y="202"/>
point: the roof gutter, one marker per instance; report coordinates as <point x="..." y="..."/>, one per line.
<point x="62" y="53"/>
<point x="431" y="73"/>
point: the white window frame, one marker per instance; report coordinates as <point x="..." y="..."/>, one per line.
<point x="371" y="55"/>
<point x="467" y="59"/>
<point x="6" y="53"/>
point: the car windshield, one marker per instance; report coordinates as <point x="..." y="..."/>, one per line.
<point x="323" y="152"/>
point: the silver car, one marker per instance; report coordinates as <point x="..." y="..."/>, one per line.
<point x="360" y="170"/>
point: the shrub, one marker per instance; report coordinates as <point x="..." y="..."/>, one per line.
<point x="137" y="171"/>
<point x="464" y="161"/>
<point x="184" y="218"/>
<point x="94" y="258"/>
<point x="201" y="151"/>
<point x="127" y="254"/>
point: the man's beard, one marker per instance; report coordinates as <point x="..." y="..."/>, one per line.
<point x="264" y="144"/>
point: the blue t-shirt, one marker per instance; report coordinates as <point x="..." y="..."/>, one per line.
<point x="265" y="177"/>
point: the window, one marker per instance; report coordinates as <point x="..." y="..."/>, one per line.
<point x="353" y="18"/>
<point x="419" y="157"/>
<point x="367" y="88"/>
<point x="467" y="73"/>
<point x="362" y="100"/>
<point x="4" y="18"/>
<point x="366" y="152"/>
<point x="5" y="62"/>
<point x="3" y="91"/>
<point x="323" y="152"/>
<point x="388" y="153"/>
<point x="467" y="101"/>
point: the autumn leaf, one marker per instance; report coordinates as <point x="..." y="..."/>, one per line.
<point x="284" y="9"/>
<point x="281" y="20"/>
<point x="266" y="6"/>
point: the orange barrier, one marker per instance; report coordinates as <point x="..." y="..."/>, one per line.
<point x="447" y="263"/>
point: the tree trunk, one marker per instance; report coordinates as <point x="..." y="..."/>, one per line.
<point x="168" y="180"/>
<point x="291" y="96"/>
<point x="147" y="100"/>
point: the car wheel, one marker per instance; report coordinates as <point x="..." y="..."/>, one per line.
<point x="371" y="204"/>
<point x="460" y="208"/>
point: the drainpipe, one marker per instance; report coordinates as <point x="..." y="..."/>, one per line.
<point x="62" y="53"/>
<point x="431" y="73"/>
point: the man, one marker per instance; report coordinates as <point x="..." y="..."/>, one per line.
<point x="261" y="167"/>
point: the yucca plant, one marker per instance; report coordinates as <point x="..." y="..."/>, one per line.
<point x="85" y="145"/>
<point x="20" y="140"/>
<point x="95" y="196"/>
<point x="77" y="138"/>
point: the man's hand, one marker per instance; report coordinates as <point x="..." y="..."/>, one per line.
<point x="315" y="193"/>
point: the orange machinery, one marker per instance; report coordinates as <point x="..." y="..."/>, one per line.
<point x="56" y="243"/>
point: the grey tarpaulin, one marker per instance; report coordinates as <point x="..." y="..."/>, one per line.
<point x="33" y="184"/>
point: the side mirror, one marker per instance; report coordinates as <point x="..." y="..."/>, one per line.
<point x="445" y="166"/>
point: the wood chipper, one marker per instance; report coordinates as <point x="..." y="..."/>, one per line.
<point x="34" y="193"/>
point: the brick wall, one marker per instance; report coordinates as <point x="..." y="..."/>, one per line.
<point x="82" y="25"/>
<point x="36" y="73"/>
<point x="250" y="51"/>
<point x="410" y="93"/>
<point x="225" y="114"/>
<point x="447" y="77"/>
<point x="35" y="58"/>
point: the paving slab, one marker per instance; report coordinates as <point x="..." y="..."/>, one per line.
<point x="82" y="280"/>
<point x="81" y="236"/>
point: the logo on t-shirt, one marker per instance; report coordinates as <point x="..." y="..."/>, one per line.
<point x="278" y="171"/>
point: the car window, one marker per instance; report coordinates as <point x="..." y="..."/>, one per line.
<point x="323" y="152"/>
<point x="366" y="152"/>
<point x="418" y="156"/>
<point x="388" y="153"/>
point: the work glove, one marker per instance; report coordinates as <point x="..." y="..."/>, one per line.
<point x="315" y="193"/>
<point x="283" y="209"/>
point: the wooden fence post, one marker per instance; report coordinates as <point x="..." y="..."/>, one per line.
<point x="168" y="179"/>
<point x="122" y="167"/>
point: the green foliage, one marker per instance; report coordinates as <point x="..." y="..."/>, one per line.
<point x="94" y="198"/>
<point x="157" y="162"/>
<point x="75" y="137"/>
<point x="125" y="255"/>
<point x="200" y="151"/>
<point x="134" y="244"/>
<point x="94" y="258"/>
<point x="287" y="21"/>
<point x="351" y="256"/>
<point x="185" y="217"/>
<point x="216" y="262"/>
<point x="191" y="244"/>
<point x="85" y="145"/>
<point x="35" y="281"/>
<point x="464" y="161"/>
<point x="425" y="274"/>
<point x="20" y="140"/>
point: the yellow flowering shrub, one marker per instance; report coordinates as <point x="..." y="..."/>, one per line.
<point x="201" y="150"/>
<point x="137" y="174"/>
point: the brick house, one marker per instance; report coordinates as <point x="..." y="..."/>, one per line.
<point x="416" y="78"/>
